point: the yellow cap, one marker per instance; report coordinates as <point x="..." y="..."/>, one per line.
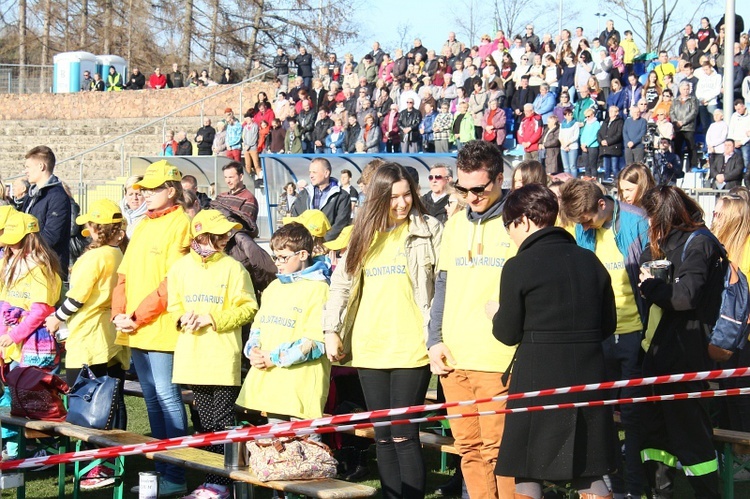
<point x="314" y="221"/>
<point x="5" y="212"/>
<point x="17" y="226"/>
<point x="158" y="173"/>
<point x="211" y="222"/>
<point x="342" y="241"/>
<point x="102" y="211"/>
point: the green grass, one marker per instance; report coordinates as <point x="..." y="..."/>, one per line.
<point x="43" y="484"/>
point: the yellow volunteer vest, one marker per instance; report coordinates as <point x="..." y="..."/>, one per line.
<point x="156" y="244"/>
<point x="92" y="334"/>
<point x="289" y="312"/>
<point x="222" y="288"/>
<point x="473" y="255"/>
<point x="32" y="286"/>
<point x="388" y="331"/>
<point x="628" y="319"/>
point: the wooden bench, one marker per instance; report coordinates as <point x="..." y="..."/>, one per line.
<point x="195" y="459"/>
<point x="733" y="443"/>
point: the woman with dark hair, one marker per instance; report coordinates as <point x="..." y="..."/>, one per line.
<point x="528" y="172"/>
<point x="262" y="97"/>
<point x="379" y="306"/>
<point x="539" y="288"/>
<point x="683" y="307"/>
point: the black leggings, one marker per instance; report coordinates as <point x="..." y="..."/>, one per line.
<point x="215" y="406"/>
<point x="116" y="371"/>
<point x="400" y="462"/>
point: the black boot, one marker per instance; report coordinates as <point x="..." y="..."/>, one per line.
<point x="361" y="470"/>
<point x="453" y="486"/>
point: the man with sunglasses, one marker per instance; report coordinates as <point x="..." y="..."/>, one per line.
<point x="436" y="201"/>
<point x="462" y="350"/>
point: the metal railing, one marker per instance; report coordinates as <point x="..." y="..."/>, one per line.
<point x="38" y="78"/>
<point x="163" y="120"/>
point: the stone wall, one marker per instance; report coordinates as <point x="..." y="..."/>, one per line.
<point x="129" y="104"/>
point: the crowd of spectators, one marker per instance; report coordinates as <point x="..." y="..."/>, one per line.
<point x="157" y="80"/>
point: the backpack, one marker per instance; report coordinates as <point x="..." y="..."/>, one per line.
<point x="730" y="332"/>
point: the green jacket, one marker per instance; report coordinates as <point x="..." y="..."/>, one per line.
<point x="466" y="131"/>
<point x="114" y="82"/>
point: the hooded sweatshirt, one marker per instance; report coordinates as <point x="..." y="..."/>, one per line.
<point x="474" y="250"/>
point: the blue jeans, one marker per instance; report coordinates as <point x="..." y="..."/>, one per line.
<point x="570" y="161"/>
<point x="746" y="154"/>
<point x="611" y="165"/>
<point x="166" y="412"/>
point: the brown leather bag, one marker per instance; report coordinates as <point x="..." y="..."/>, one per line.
<point x="36" y="394"/>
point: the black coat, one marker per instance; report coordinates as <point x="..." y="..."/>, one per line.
<point x="731" y="169"/>
<point x="136" y="82"/>
<point x="208" y="133"/>
<point x="611" y="131"/>
<point x="556" y="300"/>
<point x="51" y="206"/>
<point x="304" y="63"/>
<point x="689" y="304"/>
<point x="337" y="207"/>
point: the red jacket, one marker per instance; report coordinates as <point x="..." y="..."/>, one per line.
<point x="390" y="133"/>
<point x="157" y="82"/>
<point x="266" y="116"/>
<point x="530" y="131"/>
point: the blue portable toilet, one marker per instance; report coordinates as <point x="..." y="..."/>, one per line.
<point x="103" y="62"/>
<point x="68" y="71"/>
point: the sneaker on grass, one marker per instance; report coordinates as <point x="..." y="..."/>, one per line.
<point x="99" y="477"/>
<point x="209" y="491"/>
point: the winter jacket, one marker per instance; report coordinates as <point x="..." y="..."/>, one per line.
<point x="632" y="95"/>
<point x="569" y="136"/>
<point x="390" y="133"/>
<point x="208" y="134"/>
<point x="497" y="123"/>
<point x="304" y="65"/>
<point x="50" y="204"/>
<point x="306" y="120"/>
<point x="589" y="133"/>
<point x="255" y="259"/>
<point x="281" y="65"/>
<point x="426" y="125"/>
<point x="466" y="132"/>
<point x="320" y="130"/>
<point x="617" y="99"/>
<point x="551" y="143"/>
<point x="335" y="203"/>
<point x="136" y="82"/>
<point x="689" y="302"/>
<point x="292" y="141"/>
<point x="544" y="105"/>
<point x="184" y="148"/>
<point x="250" y="137"/>
<point x="611" y="131"/>
<point x="530" y="130"/>
<point x="731" y="169"/>
<point x="422" y="249"/>
<point x="352" y="136"/>
<point x="157" y="82"/>
<point x="370" y="138"/>
<point x="685" y="112"/>
<point x="630" y="225"/>
<point x="409" y="119"/>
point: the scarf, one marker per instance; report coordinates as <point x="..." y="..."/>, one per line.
<point x="202" y="252"/>
<point x="158" y="214"/>
<point x="320" y="270"/>
<point x="568" y="124"/>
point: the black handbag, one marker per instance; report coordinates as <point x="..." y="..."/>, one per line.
<point x="92" y="401"/>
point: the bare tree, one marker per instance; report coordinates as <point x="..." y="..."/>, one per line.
<point x="656" y="23"/>
<point x="45" y="42"/>
<point x="22" y="31"/>
<point x="254" y="31"/>
<point x="108" y="14"/>
<point x="84" y="24"/>
<point x="187" y="35"/>
<point x="511" y="14"/>
<point x="468" y="23"/>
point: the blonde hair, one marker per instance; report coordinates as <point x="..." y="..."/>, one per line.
<point x="732" y="228"/>
<point x="130" y="181"/>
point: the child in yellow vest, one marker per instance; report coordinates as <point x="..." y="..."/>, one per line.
<point x="30" y="286"/>
<point x="290" y="374"/>
<point x="87" y="311"/>
<point x="210" y="298"/>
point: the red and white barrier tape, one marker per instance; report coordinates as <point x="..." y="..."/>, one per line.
<point x="283" y="430"/>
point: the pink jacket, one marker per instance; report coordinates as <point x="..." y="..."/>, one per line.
<point x="498" y="123"/>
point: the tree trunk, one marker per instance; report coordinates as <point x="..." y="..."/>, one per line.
<point x="108" y="26"/>
<point x="66" y="40"/>
<point x="259" y="6"/>
<point x="84" y="24"/>
<point x="129" y="56"/>
<point x="21" y="46"/>
<point x="187" y="36"/>
<point x="214" y="35"/>
<point x="45" y="45"/>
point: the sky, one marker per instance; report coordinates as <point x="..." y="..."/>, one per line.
<point x="432" y="20"/>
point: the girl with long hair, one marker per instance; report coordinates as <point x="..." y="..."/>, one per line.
<point x="633" y="182"/>
<point x="651" y="90"/>
<point x="139" y="307"/>
<point x="731" y="226"/>
<point x="383" y="289"/>
<point x="30" y="287"/>
<point x="86" y="310"/>
<point x="683" y="308"/>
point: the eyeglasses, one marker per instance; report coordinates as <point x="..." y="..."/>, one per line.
<point x="150" y="192"/>
<point x="284" y="258"/>
<point x="477" y="191"/>
<point x="410" y="102"/>
<point x="436" y="177"/>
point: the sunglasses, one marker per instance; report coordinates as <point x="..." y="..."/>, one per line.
<point x="509" y="222"/>
<point x="436" y="177"/>
<point x="284" y="258"/>
<point x="477" y="191"/>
